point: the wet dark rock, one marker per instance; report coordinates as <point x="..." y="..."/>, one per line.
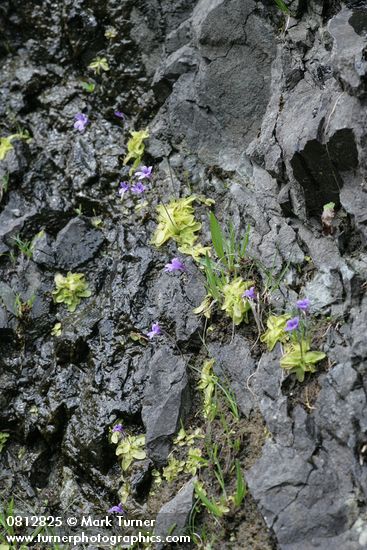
<point x="42" y="252"/>
<point x="76" y="244"/>
<point x="166" y="402"/>
<point x="176" y="512"/>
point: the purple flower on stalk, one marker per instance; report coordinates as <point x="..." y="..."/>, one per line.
<point x="118" y="428"/>
<point x="303" y="304"/>
<point x="81" y="121"/>
<point x="145" y="172"/>
<point x="123" y="187"/>
<point x="174" y="265"/>
<point x="250" y="294"/>
<point x="292" y="324"/>
<point x="155" y="331"/>
<point x="119" y="114"/>
<point x="117" y="509"/>
<point x="138" y="188"/>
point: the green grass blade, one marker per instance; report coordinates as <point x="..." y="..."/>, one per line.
<point x="282" y="6"/>
<point x="210" y="505"/>
<point x="245" y="241"/>
<point x="217" y="235"/>
<point x="241" y="488"/>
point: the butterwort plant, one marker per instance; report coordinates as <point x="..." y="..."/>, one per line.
<point x="298" y="357"/>
<point x="70" y="290"/>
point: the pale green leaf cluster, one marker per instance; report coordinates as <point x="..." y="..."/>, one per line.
<point x="207" y="384"/>
<point x="70" y="290"/>
<point x="234" y="304"/>
<point x="173" y="469"/>
<point x="185" y="438"/>
<point x="136" y="148"/>
<point x="275" y="330"/>
<point x="194" y="461"/>
<point x="176" y="221"/>
<point x="131" y="448"/>
<point x="298" y="359"/>
<point x="99" y="64"/>
<point x="56" y="330"/>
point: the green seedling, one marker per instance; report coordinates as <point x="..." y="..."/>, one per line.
<point x="99" y="64"/>
<point x="3" y="439"/>
<point x="70" y="290"/>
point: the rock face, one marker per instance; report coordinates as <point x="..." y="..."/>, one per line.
<point x="265" y="114"/>
<point x="175" y="513"/>
<point x="165" y="403"/>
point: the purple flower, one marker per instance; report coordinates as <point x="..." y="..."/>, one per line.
<point x="174" y="265"/>
<point x="123" y="187"/>
<point x="81" y="121"/>
<point x="303" y="304"/>
<point x="292" y="324"/>
<point x="119" y="114"/>
<point x="117" y="509"/>
<point x="118" y="428"/>
<point x="138" y="188"/>
<point x="155" y="331"/>
<point x="250" y="294"/>
<point x="144" y="172"/>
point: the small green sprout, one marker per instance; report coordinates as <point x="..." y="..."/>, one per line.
<point x="97" y="222"/>
<point x="131" y="448"/>
<point x="57" y="329"/>
<point x="110" y="33"/>
<point x="70" y="290"/>
<point x="25" y="247"/>
<point x="275" y="330"/>
<point x="3" y="439"/>
<point x="298" y="359"/>
<point x="23" y="308"/>
<point x="99" y="64"/>
<point x="233" y="303"/>
<point x="88" y="86"/>
<point x="136" y="148"/>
